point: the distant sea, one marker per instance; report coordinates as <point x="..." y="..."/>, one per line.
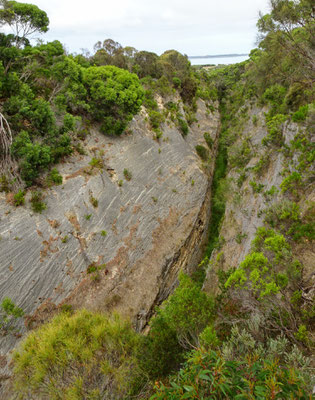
<point x="218" y="59"/>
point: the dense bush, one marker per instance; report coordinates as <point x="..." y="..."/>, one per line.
<point x="176" y="328"/>
<point x="84" y="355"/>
<point x="37" y="202"/>
<point x="243" y="370"/>
<point x="202" y="152"/>
<point x="113" y="95"/>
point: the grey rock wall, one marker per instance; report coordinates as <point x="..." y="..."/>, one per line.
<point x="244" y="211"/>
<point x="155" y="224"/>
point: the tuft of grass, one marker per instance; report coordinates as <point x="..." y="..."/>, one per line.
<point x="127" y="174"/>
<point x="93" y="201"/>
<point x="96" y="163"/>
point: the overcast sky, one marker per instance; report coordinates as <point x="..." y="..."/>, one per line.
<point x="194" y="27"/>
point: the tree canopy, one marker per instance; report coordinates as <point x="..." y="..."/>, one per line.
<point x="25" y="19"/>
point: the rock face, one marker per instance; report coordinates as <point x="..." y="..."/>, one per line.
<point x="137" y="235"/>
<point x="245" y="207"/>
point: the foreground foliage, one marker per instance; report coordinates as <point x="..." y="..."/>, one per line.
<point x="208" y="375"/>
<point x="78" y="356"/>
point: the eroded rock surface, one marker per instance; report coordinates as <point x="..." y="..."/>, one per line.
<point x="144" y="229"/>
<point x="245" y="207"/>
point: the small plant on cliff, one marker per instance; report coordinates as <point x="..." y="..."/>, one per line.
<point x="4" y="184"/>
<point x="54" y="177"/>
<point x="202" y="152"/>
<point x="182" y="124"/>
<point x="93" y="201"/>
<point x="274" y="127"/>
<point x="9" y="314"/>
<point x="127" y="174"/>
<point x="18" y="198"/>
<point x="37" y="203"/>
<point x="208" y="140"/>
<point x="96" y="163"/>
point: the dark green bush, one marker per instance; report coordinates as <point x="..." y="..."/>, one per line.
<point x="37" y="202"/>
<point x="182" y="125"/>
<point x="208" y="140"/>
<point x="202" y="152"/>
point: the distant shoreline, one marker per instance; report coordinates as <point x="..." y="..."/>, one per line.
<point x="219" y="56"/>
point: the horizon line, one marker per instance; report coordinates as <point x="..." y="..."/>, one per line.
<point x="220" y="55"/>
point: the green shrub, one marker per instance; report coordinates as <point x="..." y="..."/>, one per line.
<point x="54" y="177"/>
<point x="127" y="174"/>
<point x="65" y="239"/>
<point x="257" y="187"/>
<point x="177" y="82"/>
<point x="149" y="101"/>
<point x="261" y="271"/>
<point x="80" y="355"/>
<point x="300" y="114"/>
<point x="189" y="310"/>
<point x="33" y="157"/>
<point x="262" y="164"/>
<point x="208" y="140"/>
<point x="202" y="152"/>
<point x="156" y="118"/>
<point x="96" y="163"/>
<point x="207" y="375"/>
<point x="291" y="183"/>
<point x="274" y="127"/>
<point x="114" y="97"/>
<point x="239" y="155"/>
<point x="37" y="203"/>
<point x="182" y="124"/>
<point x="274" y="95"/>
<point x="9" y="314"/>
<point x="18" y="198"/>
<point x="160" y="352"/>
<point x="175" y="328"/>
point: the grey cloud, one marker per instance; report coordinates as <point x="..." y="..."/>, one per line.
<point x="192" y="27"/>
